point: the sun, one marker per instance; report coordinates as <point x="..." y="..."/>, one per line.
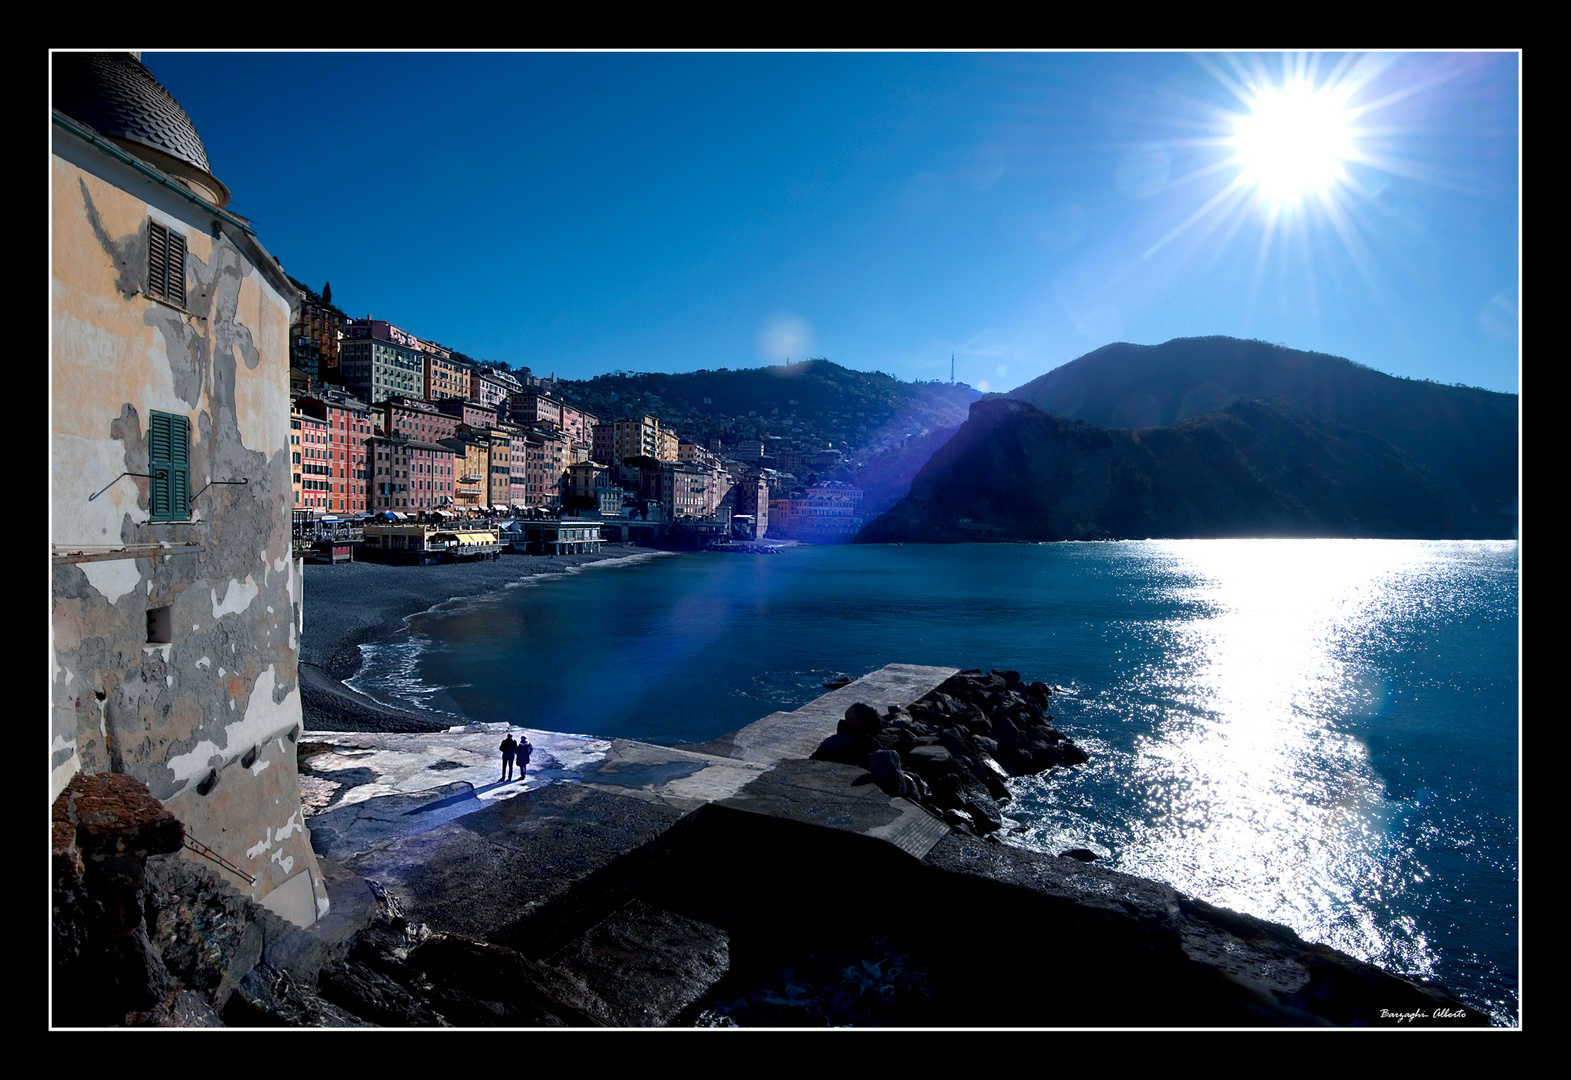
<point x="1293" y="141"/>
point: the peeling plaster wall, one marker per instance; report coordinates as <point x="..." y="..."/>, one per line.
<point x="207" y="720"/>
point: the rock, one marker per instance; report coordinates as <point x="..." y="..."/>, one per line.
<point x="373" y="996"/>
<point x="1083" y="854"/>
<point x="475" y="984"/>
<point x="887" y="774"/>
<point x="846" y="748"/>
<point x="115" y="814"/>
<point x="861" y="719"/>
<point x="646" y="964"/>
<point x="930" y="762"/>
<point x="986" y="727"/>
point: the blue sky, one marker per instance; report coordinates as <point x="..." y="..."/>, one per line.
<point x="585" y="212"/>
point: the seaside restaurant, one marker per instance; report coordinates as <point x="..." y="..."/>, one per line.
<point x="419" y="543"/>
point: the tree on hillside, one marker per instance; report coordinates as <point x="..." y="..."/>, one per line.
<point x="327" y="292"/>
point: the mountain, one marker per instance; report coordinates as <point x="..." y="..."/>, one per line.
<point x="1463" y="439"/>
<point x="1253" y="440"/>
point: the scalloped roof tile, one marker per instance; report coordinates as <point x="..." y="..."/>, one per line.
<point x="115" y="94"/>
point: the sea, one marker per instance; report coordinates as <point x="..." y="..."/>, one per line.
<point x="1324" y="733"/>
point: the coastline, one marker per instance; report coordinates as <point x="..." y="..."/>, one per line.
<point x="353" y="604"/>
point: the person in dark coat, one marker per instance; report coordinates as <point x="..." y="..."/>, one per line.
<point x="509" y="748"/>
<point x="525" y="751"/>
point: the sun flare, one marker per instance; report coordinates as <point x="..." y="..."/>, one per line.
<point x="1293" y="141"/>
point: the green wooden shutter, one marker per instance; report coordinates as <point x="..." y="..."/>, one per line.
<point x="169" y="458"/>
<point x="157" y="258"/>
<point x="165" y="264"/>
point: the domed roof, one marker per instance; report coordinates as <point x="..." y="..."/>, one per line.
<point x="116" y="95"/>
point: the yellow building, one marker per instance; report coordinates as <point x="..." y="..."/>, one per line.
<point x="175" y="597"/>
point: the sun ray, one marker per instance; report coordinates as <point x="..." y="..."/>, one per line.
<point x="1231" y="191"/>
<point x="1288" y="169"/>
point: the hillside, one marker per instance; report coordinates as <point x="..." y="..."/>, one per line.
<point x="1259" y="467"/>
<point x="815" y="403"/>
<point x="1461" y="439"/>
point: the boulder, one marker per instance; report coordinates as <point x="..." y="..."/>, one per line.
<point x="861" y="719"/>
<point x="887" y="774"/>
<point x="846" y="749"/>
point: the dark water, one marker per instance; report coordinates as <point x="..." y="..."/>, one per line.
<point x="1323" y="733"/>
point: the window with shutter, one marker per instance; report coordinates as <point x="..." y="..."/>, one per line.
<point x="165" y="264"/>
<point x="169" y="458"/>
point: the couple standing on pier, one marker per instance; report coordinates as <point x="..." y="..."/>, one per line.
<point x="511" y="749"/>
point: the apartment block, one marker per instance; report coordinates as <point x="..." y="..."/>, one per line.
<point x="349" y="424"/>
<point x="373" y="368"/>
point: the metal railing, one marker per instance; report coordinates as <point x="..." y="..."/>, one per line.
<point x="193" y="844"/>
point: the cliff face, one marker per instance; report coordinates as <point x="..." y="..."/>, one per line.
<point x="1260" y="466"/>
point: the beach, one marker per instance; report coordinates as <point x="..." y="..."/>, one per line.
<point x="352" y="604"/>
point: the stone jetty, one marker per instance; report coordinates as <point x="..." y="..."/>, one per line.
<point x="832" y="865"/>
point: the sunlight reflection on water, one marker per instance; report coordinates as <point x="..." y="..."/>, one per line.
<point x="1255" y="797"/>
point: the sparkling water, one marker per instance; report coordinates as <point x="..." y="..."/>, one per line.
<point x="1324" y="733"/>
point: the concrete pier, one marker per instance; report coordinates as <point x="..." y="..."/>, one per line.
<point x="693" y="885"/>
<point x="428" y="816"/>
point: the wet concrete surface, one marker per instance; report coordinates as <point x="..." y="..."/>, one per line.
<point x="429" y="818"/>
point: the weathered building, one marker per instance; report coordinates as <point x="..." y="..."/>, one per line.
<point x="576" y="425"/>
<point x="820" y="515"/>
<point x="471" y="468"/>
<point x="175" y="597"/>
<point x="468" y="412"/>
<point x="748" y="498"/>
<point x="588" y="489"/>
<point x="314" y="337"/>
<point x="633" y="437"/>
<point x="541" y="459"/>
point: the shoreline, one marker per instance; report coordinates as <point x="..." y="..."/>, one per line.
<point x="352" y="604"/>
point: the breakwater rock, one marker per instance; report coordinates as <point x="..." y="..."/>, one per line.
<point x="952" y="750"/>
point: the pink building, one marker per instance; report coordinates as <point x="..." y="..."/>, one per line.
<point x="472" y="413"/>
<point x="409" y="475"/>
<point x="347" y="425"/>
<point x="416" y="418"/>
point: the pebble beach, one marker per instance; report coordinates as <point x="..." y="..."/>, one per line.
<point x="352" y="604"/>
